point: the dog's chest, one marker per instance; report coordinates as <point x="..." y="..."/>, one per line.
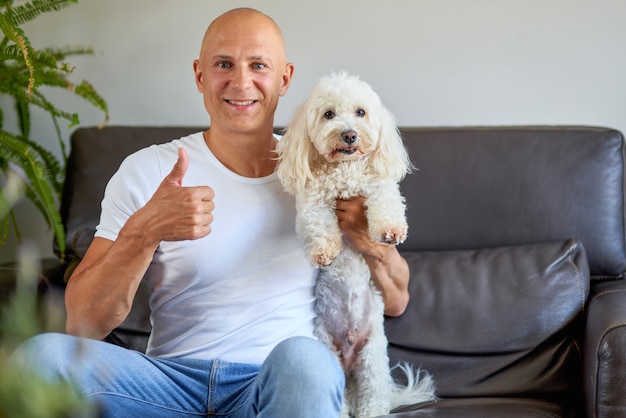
<point x="343" y="181"/>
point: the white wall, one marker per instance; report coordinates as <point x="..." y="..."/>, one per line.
<point x="434" y="62"/>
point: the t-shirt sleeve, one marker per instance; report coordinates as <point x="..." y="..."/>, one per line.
<point x="128" y="190"/>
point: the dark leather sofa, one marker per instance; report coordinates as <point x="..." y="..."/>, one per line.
<point x="517" y="252"/>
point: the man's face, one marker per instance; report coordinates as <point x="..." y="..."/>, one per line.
<point x="242" y="72"/>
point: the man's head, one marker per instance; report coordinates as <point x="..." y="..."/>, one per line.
<point x="242" y="70"/>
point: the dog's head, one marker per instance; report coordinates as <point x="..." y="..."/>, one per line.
<point x="342" y="120"/>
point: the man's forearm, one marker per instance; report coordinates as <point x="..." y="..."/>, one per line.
<point x="100" y="292"/>
<point x="390" y="273"/>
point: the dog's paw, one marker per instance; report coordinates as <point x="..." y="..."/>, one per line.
<point x="394" y="236"/>
<point x="322" y="259"/>
<point x="323" y="254"/>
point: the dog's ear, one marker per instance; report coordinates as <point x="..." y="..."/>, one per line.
<point x="295" y="152"/>
<point x="392" y="159"/>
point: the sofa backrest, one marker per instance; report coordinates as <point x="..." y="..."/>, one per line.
<point x="473" y="187"/>
<point x="487" y="187"/>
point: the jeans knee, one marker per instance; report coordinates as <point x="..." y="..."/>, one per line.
<point x="302" y="378"/>
<point x="307" y="358"/>
<point x="47" y="354"/>
<point x="38" y="346"/>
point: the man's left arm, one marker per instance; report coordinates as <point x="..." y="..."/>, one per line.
<point x="389" y="270"/>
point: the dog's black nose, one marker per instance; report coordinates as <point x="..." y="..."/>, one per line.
<point x="349" y="137"/>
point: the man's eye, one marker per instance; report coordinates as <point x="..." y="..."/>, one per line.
<point x="360" y="113"/>
<point x="329" y="115"/>
<point x="223" y="64"/>
<point x="258" y="66"/>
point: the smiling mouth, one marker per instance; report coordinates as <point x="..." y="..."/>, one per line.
<point x="241" y="102"/>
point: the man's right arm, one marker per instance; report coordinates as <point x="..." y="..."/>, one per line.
<point x="100" y="293"/>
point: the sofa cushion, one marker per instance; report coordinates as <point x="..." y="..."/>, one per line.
<point x="495" y="322"/>
<point x="494" y="186"/>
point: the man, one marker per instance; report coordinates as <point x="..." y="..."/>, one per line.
<point x="231" y="298"/>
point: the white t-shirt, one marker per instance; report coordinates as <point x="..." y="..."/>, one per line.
<point x="235" y="293"/>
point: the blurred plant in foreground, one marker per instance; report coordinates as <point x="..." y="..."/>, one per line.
<point x="23" y="393"/>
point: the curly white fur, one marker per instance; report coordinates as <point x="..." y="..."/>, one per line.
<point x="342" y="143"/>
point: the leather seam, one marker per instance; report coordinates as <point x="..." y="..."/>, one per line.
<point x="606" y="292"/>
<point x="595" y="382"/>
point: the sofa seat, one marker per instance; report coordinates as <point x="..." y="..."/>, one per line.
<point x="484" y="407"/>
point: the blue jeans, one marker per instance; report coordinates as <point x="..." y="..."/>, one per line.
<point x="300" y="378"/>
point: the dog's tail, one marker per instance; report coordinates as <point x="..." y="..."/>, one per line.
<point x="420" y="387"/>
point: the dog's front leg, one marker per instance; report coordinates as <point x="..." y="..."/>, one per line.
<point x="317" y="223"/>
<point x="386" y="213"/>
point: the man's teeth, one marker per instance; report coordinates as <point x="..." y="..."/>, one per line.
<point x="241" y="102"/>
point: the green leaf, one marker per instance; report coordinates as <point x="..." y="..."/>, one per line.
<point x="87" y="92"/>
<point x="23" y="116"/>
<point x="17" y="36"/>
<point x="40" y="189"/>
<point x="29" y="11"/>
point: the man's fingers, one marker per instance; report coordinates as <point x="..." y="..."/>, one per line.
<point x="180" y="168"/>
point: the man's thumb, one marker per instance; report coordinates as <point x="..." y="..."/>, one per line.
<point x="180" y="168"/>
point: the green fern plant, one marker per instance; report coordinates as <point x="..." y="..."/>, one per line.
<point x="26" y="167"/>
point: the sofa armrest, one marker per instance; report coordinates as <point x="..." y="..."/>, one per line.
<point x="605" y="351"/>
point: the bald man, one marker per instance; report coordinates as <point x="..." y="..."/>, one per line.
<point x="231" y="288"/>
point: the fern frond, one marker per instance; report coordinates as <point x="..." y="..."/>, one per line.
<point x="10" y="53"/>
<point x="29" y="11"/>
<point x="5" y="225"/>
<point x="39" y="188"/>
<point x="62" y="53"/>
<point x="16" y="35"/>
<point x="26" y="155"/>
<point x="5" y="210"/>
<point x="44" y="61"/>
<point x="88" y="93"/>
<point x="23" y="117"/>
<point x="51" y="77"/>
<point x="38" y="100"/>
<point x="52" y="168"/>
<point x="57" y="130"/>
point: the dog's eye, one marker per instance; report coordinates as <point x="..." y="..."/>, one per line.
<point x="329" y="115"/>
<point x="360" y="113"/>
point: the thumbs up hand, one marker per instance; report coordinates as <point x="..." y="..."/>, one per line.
<point x="180" y="168"/>
<point x="175" y="212"/>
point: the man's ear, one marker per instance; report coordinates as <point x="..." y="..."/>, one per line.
<point x="198" y="75"/>
<point x="287" y="74"/>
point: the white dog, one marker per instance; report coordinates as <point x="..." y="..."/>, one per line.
<point x="342" y="143"/>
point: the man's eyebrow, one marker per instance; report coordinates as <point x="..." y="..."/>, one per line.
<point x="250" y="58"/>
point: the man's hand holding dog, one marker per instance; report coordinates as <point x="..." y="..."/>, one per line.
<point x="389" y="269"/>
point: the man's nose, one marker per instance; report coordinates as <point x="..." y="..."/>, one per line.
<point x="241" y="77"/>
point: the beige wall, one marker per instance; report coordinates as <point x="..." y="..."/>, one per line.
<point x="434" y="62"/>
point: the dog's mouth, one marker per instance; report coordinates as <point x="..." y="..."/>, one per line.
<point x="346" y="150"/>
